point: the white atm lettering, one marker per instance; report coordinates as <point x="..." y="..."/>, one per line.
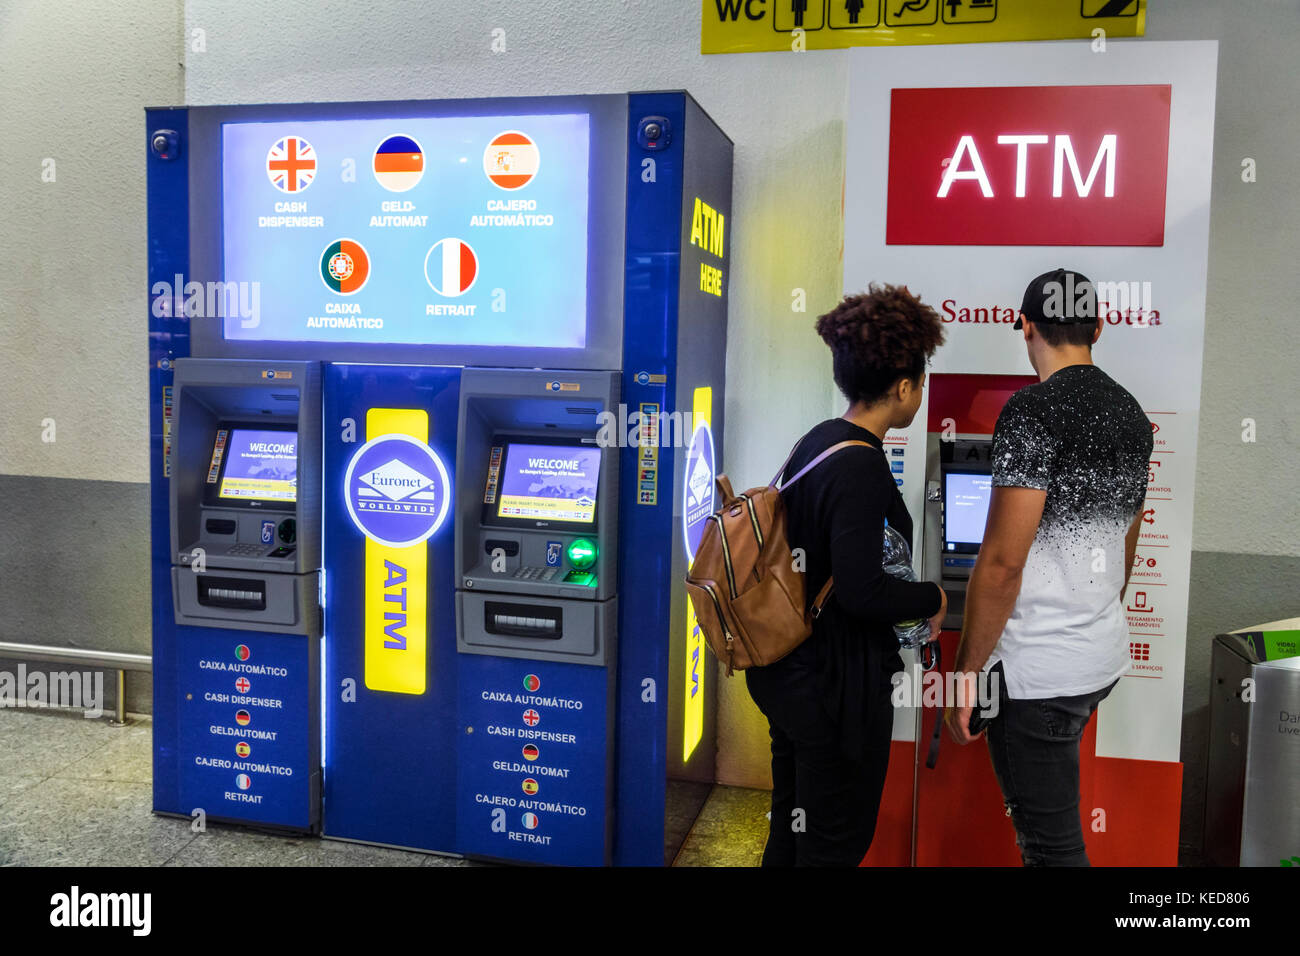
<point x="394" y="639"/>
<point x="966" y="164"/>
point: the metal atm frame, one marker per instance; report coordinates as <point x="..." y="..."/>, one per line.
<point x="408" y="767"/>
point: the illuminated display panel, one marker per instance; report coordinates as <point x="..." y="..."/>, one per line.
<point x="965" y="508"/>
<point x="553" y="483"/>
<point x="421" y="231"/>
<point x="260" y="465"/>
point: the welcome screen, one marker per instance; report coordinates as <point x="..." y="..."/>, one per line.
<point x="550" y="482"/>
<point x="262" y="465"/>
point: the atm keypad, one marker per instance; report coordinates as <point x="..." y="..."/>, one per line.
<point x="246" y="550"/>
<point x="257" y="551"/>
<point x="535" y="573"/>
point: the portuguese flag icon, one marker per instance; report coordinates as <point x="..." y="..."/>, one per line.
<point x="399" y="163"/>
<point x="344" y="266"/>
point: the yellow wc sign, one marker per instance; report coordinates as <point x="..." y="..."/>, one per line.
<point x="751" y="26"/>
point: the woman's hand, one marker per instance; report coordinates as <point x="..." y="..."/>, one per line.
<point x="936" y="622"/>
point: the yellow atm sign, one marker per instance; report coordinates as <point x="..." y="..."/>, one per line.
<point x="751" y="26"/>
<point x="396" y="588"/>
<point x="708" y="232"/>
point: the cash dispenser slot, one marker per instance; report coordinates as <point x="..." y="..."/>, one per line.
<point x="221" y="526"/>
<point x="523" y="620"/>
<point x="247" y="594"/>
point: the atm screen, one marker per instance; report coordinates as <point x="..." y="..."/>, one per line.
<point x="552" y="483"/>
<point x="255" y="464"/>
<point x="965" y="509"/>
<point x="449" y="230"/>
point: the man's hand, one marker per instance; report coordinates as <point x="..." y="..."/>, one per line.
<point x="957" y="717"/>
<point x="958" y="721"/>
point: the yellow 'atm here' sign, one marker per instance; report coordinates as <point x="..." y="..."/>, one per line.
<point x="750" y="26"/>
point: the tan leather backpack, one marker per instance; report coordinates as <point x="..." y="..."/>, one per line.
<point x="748" y="597"/>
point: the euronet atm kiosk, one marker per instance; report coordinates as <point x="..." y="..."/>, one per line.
<point x="237" y="692"/>
<point x="436" y="402"/>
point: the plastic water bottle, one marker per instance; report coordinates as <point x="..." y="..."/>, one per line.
<point x="898" y="562"/>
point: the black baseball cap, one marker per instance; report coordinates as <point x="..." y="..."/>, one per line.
<point x="1059" y="297"/>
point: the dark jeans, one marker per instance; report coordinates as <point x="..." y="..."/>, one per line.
<point x="1034" y="744"/>
<point x="839" y="798"/>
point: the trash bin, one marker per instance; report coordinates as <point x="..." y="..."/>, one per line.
<point x="1252" y="805"/>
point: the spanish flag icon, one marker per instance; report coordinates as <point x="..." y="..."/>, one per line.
<point x="530" y="786"/>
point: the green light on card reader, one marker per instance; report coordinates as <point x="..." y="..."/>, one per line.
<point x="582" y="553"/>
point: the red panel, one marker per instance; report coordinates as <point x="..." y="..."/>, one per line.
<point x="952" y="183"/>
<point x="972" y="401"/>
<point x="1143" y="804"/>
<point x="963" y="822"/>
<point x="962" y="819"/>
<point x="892" y="845"/>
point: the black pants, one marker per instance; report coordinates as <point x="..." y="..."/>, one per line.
<point x="1034" y="744"/>
<point x="824" y="805"/>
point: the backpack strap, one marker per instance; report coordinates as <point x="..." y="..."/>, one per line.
<point x="822" y="597"/>
<point x="824" y="594"/>
<point x="817" y="461"/>
<point x="788" y="458"/>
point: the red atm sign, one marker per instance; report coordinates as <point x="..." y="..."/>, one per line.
<point x="1028" y="166"/>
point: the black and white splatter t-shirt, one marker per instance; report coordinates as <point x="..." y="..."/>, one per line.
<point x="1082" y="438"/>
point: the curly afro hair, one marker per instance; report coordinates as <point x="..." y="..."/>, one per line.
<point x="878" y="337"/>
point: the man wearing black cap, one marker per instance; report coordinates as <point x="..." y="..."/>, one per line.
<point x="1044" y="605"/>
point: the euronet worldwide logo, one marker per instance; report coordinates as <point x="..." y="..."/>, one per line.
<point x="397" y="489"/>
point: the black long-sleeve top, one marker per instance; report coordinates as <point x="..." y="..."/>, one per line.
<point x="836" y="513"/>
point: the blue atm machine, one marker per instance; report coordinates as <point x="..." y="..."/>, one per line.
<point x="436" y="409"/>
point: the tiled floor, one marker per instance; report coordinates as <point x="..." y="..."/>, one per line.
<point x="77" y="792"/>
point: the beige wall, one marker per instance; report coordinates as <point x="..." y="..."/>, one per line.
<point x="74" y="80"/>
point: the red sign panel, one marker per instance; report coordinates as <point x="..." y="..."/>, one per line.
<point x="1028" y="166"/>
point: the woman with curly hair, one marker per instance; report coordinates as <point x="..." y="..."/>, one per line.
<point x="828" y="702"/>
